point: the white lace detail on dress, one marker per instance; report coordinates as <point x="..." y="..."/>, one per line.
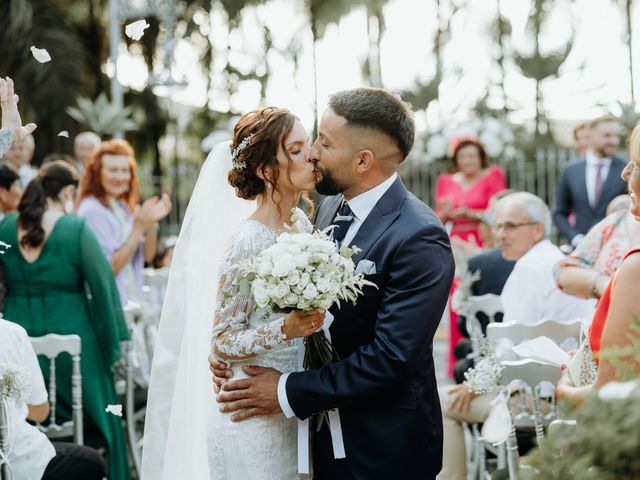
<point x="241" y="330"/>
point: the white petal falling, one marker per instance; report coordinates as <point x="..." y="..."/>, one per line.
<point x="135" y="30"/>
<point x="41" y="55"/>
<point x="114" y="410"/>
<point x="64" y="134"/>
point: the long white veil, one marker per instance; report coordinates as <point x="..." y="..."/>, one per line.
<point x="181" y="391"/>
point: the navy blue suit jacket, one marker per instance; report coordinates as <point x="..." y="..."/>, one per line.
<point x="385" y="385"/>
<point x="572" y="197"/>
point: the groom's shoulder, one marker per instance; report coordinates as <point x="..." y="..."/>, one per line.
<point x="414" y="211"/>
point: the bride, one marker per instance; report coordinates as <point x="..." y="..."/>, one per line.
<point x="186" y="436"/>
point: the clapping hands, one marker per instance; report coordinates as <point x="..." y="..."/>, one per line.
<point x="152" y="211"/>
<point x="10" y="115"/>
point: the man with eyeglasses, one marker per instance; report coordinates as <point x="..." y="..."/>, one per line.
<point x="530" y="295"/>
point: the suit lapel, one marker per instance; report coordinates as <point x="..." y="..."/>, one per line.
<point x="327" y="211"/>
<point x="383" y="214"/>
<point x="615" y="170"/>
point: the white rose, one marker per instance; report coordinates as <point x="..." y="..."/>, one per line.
<point x="293" y="278"/>
<point x="291" y="299"/>
<point x="283" y="266"/>
<point x="264" y="267"/>
<point x="282" y="290"/>
<point x="323" y="285"/>
<point x="310" y="292"/>
<point x="260" y="295"/>
<point x="305" y="278"/>
<point x="302" y="259"/>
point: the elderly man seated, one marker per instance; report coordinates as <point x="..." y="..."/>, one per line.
<point x="529" y="296"/>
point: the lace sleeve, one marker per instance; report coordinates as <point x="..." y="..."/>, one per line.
<point x="233" y="336"/>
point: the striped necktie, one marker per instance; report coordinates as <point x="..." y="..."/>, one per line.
<point x="342" y="222"/>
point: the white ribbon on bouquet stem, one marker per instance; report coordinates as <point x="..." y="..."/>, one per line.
<point x="335" y="426"/>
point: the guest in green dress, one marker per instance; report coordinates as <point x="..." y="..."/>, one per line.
<point x="59" y="281"/>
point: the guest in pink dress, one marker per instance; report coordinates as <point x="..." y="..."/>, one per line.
<point x="461" y="198"/>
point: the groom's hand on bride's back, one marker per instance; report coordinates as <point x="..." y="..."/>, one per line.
<point x="254" y="396"/>
<point x="221" y="372"/>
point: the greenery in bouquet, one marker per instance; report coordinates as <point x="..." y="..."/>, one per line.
<point x="605" y="442"/>
<point x="303" y="271"/>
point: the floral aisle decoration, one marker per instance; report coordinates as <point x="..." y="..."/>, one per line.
<point x="497" y="137"/>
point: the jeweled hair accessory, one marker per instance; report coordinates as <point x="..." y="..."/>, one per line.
<point x="236" y="151"/>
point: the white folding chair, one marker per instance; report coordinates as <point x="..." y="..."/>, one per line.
<point x="518" y="333"/>
<point x="126" y="387"/>
<point x="491" y="306"/>
<point x="532" y="374"/>
<point x="51" y="346"/>
<point x="5" y="468"/>
<point x="488" y="304"/>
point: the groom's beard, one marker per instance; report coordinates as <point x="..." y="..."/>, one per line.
<point x="329" y="185"/>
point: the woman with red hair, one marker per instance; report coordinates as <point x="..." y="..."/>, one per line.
<point x="461" y="198"/>
<point x="126" y="231"/>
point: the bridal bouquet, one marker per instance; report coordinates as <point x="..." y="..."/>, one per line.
<point x="304" y="271"/>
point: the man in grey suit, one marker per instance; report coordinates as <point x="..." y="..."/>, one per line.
<point x="588" y="185"/>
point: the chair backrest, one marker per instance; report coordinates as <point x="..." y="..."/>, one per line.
<point x="532" y="373"/>
<point x="518" y="333"/>
<point x="489" y="304"/>
<point x="51" y="346"/>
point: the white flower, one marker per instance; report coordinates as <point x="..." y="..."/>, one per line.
<point x="310" y="292"/>
<point x="282" y="290"/>
<point x="283" y="267"/>
<point x="323" y="285"/>
<point x="293" y="278"/>
<point x="114" y="410"/>
<point x="40" y="54"/>
<point x="135" y="30"/>
<point x="437" y="146"/>
<point x="258" y="288"/>
<point x="15" y="382"/>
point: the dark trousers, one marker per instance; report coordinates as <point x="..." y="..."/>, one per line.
<point x="75" y="462"/>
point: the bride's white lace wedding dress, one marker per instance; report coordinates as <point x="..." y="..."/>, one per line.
<point x="262" y="447"/>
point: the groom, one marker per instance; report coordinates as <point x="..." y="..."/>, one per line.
<point x="384" y="386"/>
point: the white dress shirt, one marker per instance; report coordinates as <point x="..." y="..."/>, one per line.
<point x="361" y="207"/>
<point x="530" y="294"/>
<point x="30" y="451"/>
<point x="591" y="172"/>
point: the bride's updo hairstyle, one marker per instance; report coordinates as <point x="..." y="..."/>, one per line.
<point x="268" y="128"/>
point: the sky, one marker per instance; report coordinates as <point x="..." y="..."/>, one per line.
<point x="592" y="80"/>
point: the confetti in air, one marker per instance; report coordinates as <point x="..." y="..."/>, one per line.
<point x="135" y="30"/>
<point x="41" y="55"/>
<point x="114" y="410"/>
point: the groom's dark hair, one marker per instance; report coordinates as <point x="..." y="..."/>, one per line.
<point x="377" y="109"/>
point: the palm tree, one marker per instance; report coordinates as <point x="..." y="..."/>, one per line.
<point x="539" y="66"/>
<point x="46" y="89"/>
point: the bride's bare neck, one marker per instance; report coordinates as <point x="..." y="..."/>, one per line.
<point x="276" y="211"/>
